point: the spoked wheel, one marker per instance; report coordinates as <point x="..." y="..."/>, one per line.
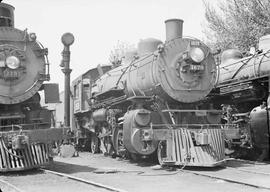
<point x="94" y="144"/>
<point x="118" y="142"/>
<point x="161" y="152"/>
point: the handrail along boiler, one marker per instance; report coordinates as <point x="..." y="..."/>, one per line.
<point x="156" y="101"/>
<point x="25" y="127"/>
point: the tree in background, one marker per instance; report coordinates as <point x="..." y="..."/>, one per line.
<point x="236" y="23"/>
<point x="118" y="52"/>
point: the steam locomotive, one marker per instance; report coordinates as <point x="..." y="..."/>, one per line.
<point x="243" y="89"/>
<point x="25" y="127"/>
<point x="156" y="102"/>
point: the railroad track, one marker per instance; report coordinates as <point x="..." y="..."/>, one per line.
<point x="238" y="174"/>
<point x="6" y="186"/>
<point x="241" y="176"/>
<point x="47" y="180"/>
<point x="245" y="173"/>
<point x="89" y="182"/>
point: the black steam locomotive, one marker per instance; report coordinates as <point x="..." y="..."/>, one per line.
<point x="156" y="102"/>
<point x="243" y="90"/>
<point x="25" y="127"/>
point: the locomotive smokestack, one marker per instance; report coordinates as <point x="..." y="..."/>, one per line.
<point x="6" y="15"/>
<point x="174" y="28"/>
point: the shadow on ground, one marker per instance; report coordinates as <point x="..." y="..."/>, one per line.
<point x="56" y="166"/>
<point x="69" y="168"/>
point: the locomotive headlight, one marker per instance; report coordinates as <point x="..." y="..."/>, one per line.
<point x="12" y="62"/>
<point x="196" y="54"/>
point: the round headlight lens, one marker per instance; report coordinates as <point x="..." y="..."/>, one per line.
<point x="12" y="62"/>
<point x="197" y="54"/>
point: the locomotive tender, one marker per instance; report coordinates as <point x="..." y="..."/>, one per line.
<point x="25" y="127"/>
<point x="155" y="102"/>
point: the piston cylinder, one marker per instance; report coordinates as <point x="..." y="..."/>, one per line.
<point x="259" y="127"/>
<point x="138" y="136"/>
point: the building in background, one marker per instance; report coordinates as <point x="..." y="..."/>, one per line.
<point x="58" y="109"/>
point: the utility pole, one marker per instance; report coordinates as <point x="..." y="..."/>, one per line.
<point x="67" y="39"/>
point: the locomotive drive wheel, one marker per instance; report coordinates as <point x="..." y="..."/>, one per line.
<point x="118" y="142"/>
<point x="94" y="144"/>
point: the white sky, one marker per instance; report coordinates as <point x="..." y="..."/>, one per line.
<point x="98" y="24"/>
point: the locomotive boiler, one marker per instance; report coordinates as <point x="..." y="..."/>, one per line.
<point x="25" y="127"/>
<point x="243" y="85"/>
<point x="156" y="102"/>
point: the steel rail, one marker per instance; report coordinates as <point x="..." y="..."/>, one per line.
<point x="249" y="162"/>
<point x="227" y="180"/>
<point x="232" y="180"/>
<point x="247" y="171"/>
<point x="11" y="185"/>
<point x="109" y="188"/>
